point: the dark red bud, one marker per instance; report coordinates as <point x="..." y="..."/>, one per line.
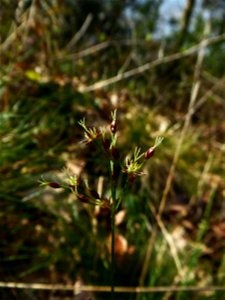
<point x="83" y="198"/>
<point x="113" y="126"/>
<point x="149" y="153"/>
<point x="94" y="194"/>
<point x="54" y="185"/>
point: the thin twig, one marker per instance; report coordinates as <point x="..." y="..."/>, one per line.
<point x="80" y="33"/>
<point x="169" y="240"/>
<point x="172" y="246"/>
<point x="121" y="289"/>
<point x="168" y="294"/>
<point x="101" y="46"/>
<point x="193" y="98"/>
<point x="150" y="65"/>
<point x="27" y="18"/>
<point x="204" y="174"/>
<point x="148" y="255"/>
<point x="91" y="50"/>
<point x="207" y="95"/>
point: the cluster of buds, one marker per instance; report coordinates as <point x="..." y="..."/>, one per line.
<point x="92" y="197"/>
<point x="83" y="193"/>
<point x="109" y="142"/>
<point x="134" y="165"/>
<point x="71" y="183"/>
<point x="150" y="152"/>
<point x="113" y="126"/>
<point x="90" y="134"/>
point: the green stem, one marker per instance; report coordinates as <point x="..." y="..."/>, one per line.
<point x="112" y="250"/>
<point x="113" y="209"/>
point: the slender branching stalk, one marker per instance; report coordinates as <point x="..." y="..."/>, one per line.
<point x="113" y="196"/>
<point x="113" y="202"/>
<point x="129" y="169"/>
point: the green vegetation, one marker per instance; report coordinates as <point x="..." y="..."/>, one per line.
<point x="63" y="61"/>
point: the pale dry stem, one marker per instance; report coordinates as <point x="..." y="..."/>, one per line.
<point x="150" y="65"/>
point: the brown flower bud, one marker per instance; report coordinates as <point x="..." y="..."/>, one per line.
<point x="54" y="185"/>
<point x="83" y="198"/>
<point x="149" y="153"/>
<point x="113" y="127"/>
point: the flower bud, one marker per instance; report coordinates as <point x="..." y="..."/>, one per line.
<point x="149" y="153"/>
<point x="54" y="185"/>
<point x="83" y="198"/>
<point x="113" y="127"/>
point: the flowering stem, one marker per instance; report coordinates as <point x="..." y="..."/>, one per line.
<point x="112" y="250"/>
<point x="113" y="208"/>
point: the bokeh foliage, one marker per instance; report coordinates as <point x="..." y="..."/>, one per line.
<point x="51" y="51"/>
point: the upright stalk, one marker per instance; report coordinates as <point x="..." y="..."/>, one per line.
<point x="113" y="208"/>
<point x="112" y="250"/>
<point x="130" y="168"/>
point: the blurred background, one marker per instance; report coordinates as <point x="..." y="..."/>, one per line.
<point x="161" y="64"/>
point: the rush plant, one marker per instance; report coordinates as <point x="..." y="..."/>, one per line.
<point x="127" y="169"/>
